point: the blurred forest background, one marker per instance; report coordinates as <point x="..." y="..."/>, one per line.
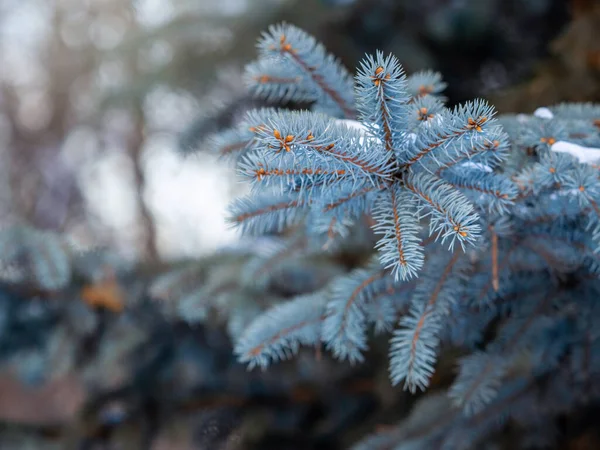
<point x="103" y="103"/>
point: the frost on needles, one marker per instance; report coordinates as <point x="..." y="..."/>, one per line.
<point x="486" y="239"/>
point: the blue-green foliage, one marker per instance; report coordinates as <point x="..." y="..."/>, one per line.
<point x="44" y="319"/>
<point x="38" y="257"/>
<point x="315" y="75"/>
<point x="409" y="155"/>
<point x="486" y="237"/>
<point x="34" y="259"/>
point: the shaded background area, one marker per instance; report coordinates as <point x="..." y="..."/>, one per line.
<point x="102" y="104"/>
